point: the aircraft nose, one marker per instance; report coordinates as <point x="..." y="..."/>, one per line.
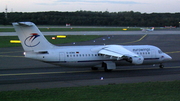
<point x="167" y="57"/>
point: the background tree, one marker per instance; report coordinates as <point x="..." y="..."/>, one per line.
<point x="89" y="18"/>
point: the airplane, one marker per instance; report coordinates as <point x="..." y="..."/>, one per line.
<point x="147" y="29"/>
<point x="37" y="47"/>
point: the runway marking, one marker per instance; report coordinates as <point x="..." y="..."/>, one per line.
<point x="39" y="73"/>
<point x="172" y="52"/>
<point x="149" y="68"/>
<point x="135" y="40"/>
<point x="66" y="72"/>
<point x="10" y="56"/>
<point x="10" y="52"/>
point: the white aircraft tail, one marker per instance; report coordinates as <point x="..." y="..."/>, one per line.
<point x="152" y="29"/>
<point x="30" y="36"/>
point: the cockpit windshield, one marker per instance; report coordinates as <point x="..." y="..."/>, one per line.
<point x="160" y="52"/>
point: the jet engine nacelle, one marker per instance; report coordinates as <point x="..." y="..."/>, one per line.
<point x="135" y="60"/>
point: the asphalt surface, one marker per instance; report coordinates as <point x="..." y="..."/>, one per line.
<point x="19" y="73"/>
<point x="160" y="32"/>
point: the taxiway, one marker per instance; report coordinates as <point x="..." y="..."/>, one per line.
<point x="19" y="73"/>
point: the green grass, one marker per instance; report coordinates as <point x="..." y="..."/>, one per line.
<point x="5" y="40"/>
<point x="73" y="29"/>
<point x="86" y="29"/>
<point x="7" y="30"/>
<point x="149" y="91"/>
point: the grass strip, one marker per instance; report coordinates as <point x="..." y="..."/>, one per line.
<point x="5" y="40"/>
<point x="149" y="91"/>
<point x="86" y="29"/>
<point x="74" y="29"/>
<point x="7" y="30"/>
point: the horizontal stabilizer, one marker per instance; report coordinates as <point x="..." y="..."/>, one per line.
<point x="24" y="23"/>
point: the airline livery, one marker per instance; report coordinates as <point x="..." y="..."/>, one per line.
<point x="109" y="57"/>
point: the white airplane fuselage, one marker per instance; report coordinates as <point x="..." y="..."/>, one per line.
<point x="83" y="56"/>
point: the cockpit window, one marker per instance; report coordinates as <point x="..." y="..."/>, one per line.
<point x="160" y="52"/>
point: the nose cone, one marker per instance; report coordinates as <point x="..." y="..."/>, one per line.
<point x="167" y="57"/>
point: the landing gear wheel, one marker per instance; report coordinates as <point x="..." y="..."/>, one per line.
<point x="161" y="66"/>
<point x="105" y="67"/>
<point x="94" y="68"/>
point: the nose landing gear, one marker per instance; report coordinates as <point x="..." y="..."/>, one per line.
<point x="161" y="66"/>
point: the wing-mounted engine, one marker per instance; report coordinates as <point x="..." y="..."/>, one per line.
<point x="121" y="53"/>
<point x="134" y="60"/>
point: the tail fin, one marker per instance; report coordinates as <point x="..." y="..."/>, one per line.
<point x="30" y="36"/>
<point x="152" y="29"/>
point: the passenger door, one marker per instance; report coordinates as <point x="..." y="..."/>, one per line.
<point x="61" y="56"/>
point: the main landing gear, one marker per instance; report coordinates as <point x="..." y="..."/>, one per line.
<point x="104" y="65"/>
<point x="161" y="66"/>
<point x="94" y="68"/>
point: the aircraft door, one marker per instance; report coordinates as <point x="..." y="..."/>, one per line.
<point x="61" y="56"/>
<point x="153" y="54"/>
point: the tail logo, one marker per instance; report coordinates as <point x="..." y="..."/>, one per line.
<point x="31" y="41"/>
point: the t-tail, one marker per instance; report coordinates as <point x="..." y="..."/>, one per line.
<point x="31" y="38"/>
<point x="152" y="29"/>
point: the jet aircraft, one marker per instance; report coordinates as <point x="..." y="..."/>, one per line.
<point x="147" y="29"/>
<point x="37" y="47"/>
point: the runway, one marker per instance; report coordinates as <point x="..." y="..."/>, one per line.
<point x="19" y="73"/>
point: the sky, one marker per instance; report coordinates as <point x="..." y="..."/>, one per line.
<point x="143" y="6"/>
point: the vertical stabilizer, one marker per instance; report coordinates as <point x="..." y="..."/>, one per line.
<point x="30" y="36"/>
<point x="152" y="29"/>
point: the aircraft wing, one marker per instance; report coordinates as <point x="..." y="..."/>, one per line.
<point x="121" y="53"/>
<point x="116" y="51"/>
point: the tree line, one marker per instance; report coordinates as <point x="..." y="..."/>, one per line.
<point x="92" y="18"/>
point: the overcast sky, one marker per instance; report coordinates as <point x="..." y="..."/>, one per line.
<point x="144" y="6"/>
